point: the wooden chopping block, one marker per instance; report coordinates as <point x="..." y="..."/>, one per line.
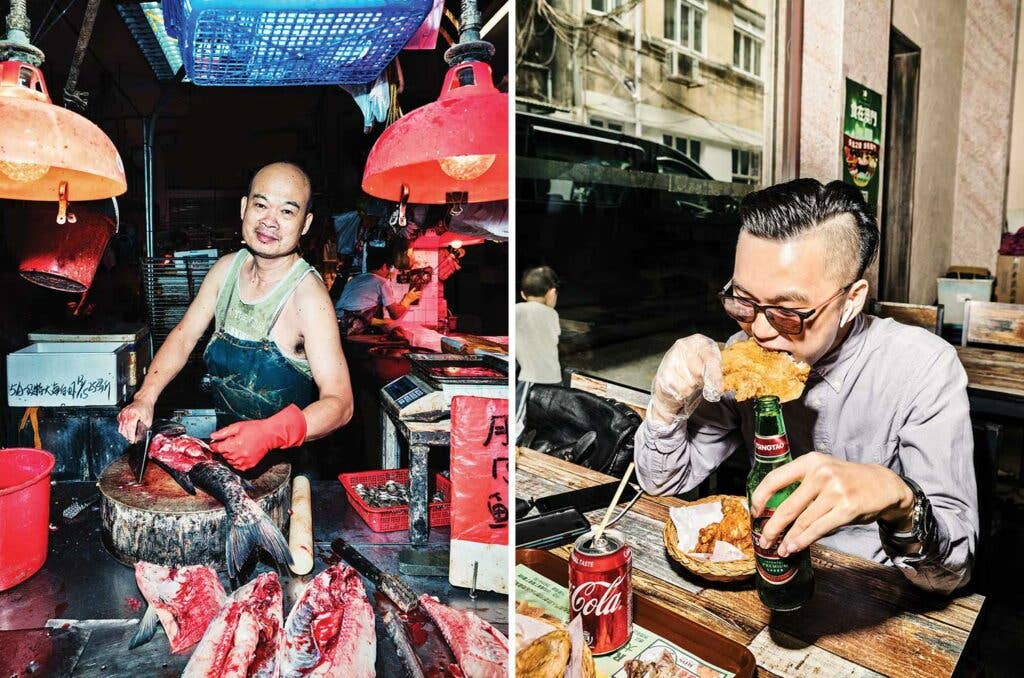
<point x="158" y="522"/>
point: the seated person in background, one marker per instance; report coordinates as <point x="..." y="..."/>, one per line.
<point x="367" y="294"/>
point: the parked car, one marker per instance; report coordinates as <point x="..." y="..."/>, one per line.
<point x="635" y="257"/>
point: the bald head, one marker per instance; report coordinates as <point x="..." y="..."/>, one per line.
<point x="289" y="174"/>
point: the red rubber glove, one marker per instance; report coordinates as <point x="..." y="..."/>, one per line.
<point x="244" y="443"/>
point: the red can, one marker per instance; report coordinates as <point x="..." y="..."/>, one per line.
<point x="601" y="590"/>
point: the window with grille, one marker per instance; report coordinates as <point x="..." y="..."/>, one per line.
<point x="688" y="147"/>
<point x="685" y="23"/>
<point x="748" y="45"/>
<point x="746" y="166"/>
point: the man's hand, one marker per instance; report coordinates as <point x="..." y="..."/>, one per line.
<point x="139" y="410"/>
<point x="691" y="368"/>
<point x="244" y="443"/>
<point x="411" y="297"/>
<point x="832" y="493"/>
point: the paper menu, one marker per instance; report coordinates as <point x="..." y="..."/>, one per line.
<point x="538" y="590"/>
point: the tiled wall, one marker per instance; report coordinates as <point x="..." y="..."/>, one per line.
<point x="430" y="309"/>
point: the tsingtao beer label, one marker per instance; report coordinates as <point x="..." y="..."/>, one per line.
<point x="770" y="448"/>
<point x="772" y="567"/>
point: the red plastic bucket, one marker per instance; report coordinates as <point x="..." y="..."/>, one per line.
<point x="61" y="256"/>
<point x="24" y="513"/>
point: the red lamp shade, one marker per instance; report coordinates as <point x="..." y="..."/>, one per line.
<point x="43" y="146"/>
<point x="458" y="144"/>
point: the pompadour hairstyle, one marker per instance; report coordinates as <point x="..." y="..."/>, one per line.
<point x="790" y="210"/>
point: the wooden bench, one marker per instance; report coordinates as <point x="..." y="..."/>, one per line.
<point x="918" y="315"/>
<point x="994" y="323"/>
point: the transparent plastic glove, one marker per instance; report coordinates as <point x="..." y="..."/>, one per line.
<point x="691" y="370"/>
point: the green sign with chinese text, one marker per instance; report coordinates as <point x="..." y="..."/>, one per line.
<point x="862" y="140"/>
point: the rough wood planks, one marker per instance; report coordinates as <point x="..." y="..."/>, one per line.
<point x="989" y="322"/>
<point x="784" y="655"/>
<point x="633" y="398"/>
<point x="910" y="314"/>
<point x="993" y="370"/>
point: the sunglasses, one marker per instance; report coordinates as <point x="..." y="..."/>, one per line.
<point x="785" y="320"/>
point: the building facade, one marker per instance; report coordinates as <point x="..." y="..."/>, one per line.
<point x="687" y="73"/>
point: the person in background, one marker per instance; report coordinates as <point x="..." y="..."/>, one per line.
<point x="275" y="360"/>
<point x="537" y="332"/>
<point x="367" y="295"/>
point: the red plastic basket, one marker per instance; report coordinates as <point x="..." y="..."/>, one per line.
<point x="395" y="518"/>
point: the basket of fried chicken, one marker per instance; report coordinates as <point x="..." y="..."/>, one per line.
<point x="711" y="537"/>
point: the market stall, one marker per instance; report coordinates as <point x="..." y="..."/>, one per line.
<point x="174" y="427"/>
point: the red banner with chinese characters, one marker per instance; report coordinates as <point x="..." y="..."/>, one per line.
<point x="479" y="469"/>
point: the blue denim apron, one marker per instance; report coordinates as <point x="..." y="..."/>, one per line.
<point x="252" y="379"/>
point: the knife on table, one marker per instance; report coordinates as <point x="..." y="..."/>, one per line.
<point x="388" y="584"/>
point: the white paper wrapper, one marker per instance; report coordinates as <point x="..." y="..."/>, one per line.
<point x="689" y="520"/>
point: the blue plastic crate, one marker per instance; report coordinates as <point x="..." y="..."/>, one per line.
<point x="291" y="42"/>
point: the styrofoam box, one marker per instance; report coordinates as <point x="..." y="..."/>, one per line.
<point x="68" y="374"/>
<point x="953" y="292"/>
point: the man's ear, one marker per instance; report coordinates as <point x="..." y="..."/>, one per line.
<point x="523" y="295"/>
<point x="309" y="222"/>
<point x="856" y="298"/>
<point x="241" y="212"/>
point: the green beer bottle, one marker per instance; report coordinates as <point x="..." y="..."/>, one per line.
<point x="783" y="584"/>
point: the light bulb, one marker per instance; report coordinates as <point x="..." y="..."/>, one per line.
<point x="466" y="167"/>
<point x="456" y="244"/>
<point x="23" y="171"/>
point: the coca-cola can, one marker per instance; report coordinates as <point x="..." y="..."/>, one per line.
<point x="601" y="590"/>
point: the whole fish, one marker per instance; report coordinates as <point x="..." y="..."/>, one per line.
<point x="244" y="638"/>
<point x="182" y="599"/>
<point x="330" y="630"/>
<point x="193" y="464"/>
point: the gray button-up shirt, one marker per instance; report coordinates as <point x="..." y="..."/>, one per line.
<point x="890" y="394"/>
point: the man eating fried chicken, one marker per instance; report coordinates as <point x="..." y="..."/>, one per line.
<point x="881" y="434"/>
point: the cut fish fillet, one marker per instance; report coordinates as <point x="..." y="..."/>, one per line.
<point x="245" y="637"/>
<point x="481" y="650"/>
<point x="330" y="630"/>
<point x="184" y="599"/>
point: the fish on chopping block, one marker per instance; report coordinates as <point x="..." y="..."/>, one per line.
<point x="481" y="650"/>
<point x="245" y="637"/>
<point x="330" y="630"/>
<point x="183" y="599"/>
<point x="193" y="464"/>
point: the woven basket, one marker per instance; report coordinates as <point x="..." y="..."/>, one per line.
<point x="728" y="570"/>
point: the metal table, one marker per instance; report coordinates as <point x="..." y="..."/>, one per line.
<point x="421" y="436"/>
<point x="84" y="587"/>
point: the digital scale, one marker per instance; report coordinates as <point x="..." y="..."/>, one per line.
<point x="425" y="394"/>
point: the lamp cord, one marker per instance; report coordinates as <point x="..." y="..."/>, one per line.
<point x="72" y="97"/>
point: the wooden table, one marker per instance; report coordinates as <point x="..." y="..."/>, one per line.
<point x="864" y="618"/>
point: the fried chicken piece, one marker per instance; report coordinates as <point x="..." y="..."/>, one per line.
<point x="752" y="371"/>
<point x="734" y="528"/>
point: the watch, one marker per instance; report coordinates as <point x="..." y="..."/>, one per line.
<point x="923" y="521"/>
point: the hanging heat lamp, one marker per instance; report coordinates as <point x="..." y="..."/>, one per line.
<point x="47" y="153"/>
<point x="454" y="150"/>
